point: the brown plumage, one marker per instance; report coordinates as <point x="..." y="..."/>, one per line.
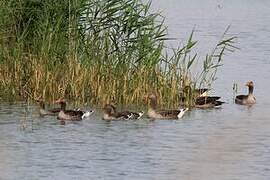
<point x="204" y="101"/>
<point x="247" y="99"/>
<point x="153" y="112"/>
<point x="208" y="102"/>
<point x="47" y="112"/>
<point x="71" y="115"/>
<point x="110" y="113"/>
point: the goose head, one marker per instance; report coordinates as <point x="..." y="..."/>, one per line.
<point x="152" y="96"/>
<point x="187" y="89"/>
<point x="61" y="100"/>
<point x="41" y="103"/>
<point x="250" y="84"/>
<point x="109" y="109"/>
<point x="149" y="97"/>
<point x="153" y="100"/>
<point x="62" y="103"/>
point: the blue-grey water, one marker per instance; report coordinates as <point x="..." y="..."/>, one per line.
<point x="231" y="143"/>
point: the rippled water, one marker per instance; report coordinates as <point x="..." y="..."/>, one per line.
<point x="229" y="143"/>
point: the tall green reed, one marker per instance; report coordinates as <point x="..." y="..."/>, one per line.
<point x="95" y="51"/>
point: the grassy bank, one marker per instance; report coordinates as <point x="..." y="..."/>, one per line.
<point x="95" y="51"/>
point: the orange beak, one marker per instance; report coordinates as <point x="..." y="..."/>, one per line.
<point x="59" y="100"/>
<point x="145" y="98"/>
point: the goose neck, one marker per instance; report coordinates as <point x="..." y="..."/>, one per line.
<point x="63" y="106"/>
<point x="250" y="90"/>
<point x="153" y="104"/>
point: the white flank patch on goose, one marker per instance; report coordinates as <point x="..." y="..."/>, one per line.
<point x="87" y="114"/>
<point x="140" y="114"/>
<point x="182" y="112"/>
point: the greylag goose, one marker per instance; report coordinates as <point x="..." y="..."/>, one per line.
<point x="163" y="114"/>
<point x="246" y="99"/>
<point x="110" y="113"/>
<point x="71" y="115"/>
<point x="200" y="98"/>
<point x="47" y="112"/>
<point x="208" y="102"/>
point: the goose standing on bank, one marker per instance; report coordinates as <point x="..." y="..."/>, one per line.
<point x="246" y="99"/>
<point x="110" y="113"/>
<point x="163" y="114"/>
<point x="71" y="115"/>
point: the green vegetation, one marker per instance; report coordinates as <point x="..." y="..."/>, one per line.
<point x="95" y="51"/>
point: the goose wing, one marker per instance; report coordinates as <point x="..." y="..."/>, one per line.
<point x="241" y="97"/>
<point x="74" y="113"/>
<point x="124" y="114"/>
<point x="131" y="114"/>
<point x="218" y="103"/>
<point x="55" y="110"/>
<point x="169" y="113"/>
<point x="206" y="100"/>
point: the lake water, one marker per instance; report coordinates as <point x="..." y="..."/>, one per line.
<point x="230" y="143"/>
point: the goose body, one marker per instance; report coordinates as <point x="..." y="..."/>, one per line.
<point x="135" y="115"/>
<point x="248" y="99"/>
<point x="163" y="114"/>
<point x="202" y="100"/>
<point x="166" y="114"/>
<point x="47" y="112"/>
<point x="208" y="102"/>
<point x="71" y="115"/>
<point x="110" y="113"/>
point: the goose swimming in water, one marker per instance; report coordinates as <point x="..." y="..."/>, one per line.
<point x="200" y="97"/>
<point x="247" y="99"/>
<point x="110" y="113"/>
<point x="154" y="113"/>
<point x="47" y="112"/>
<point x="71" y="115"/>
<point x="208" y="102"/>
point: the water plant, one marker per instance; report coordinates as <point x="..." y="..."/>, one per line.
<point x="95" y="51"/>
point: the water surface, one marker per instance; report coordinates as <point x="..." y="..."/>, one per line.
<point x="230" y="143"/>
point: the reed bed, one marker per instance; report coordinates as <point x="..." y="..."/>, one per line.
<point x="96" y="51"/>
